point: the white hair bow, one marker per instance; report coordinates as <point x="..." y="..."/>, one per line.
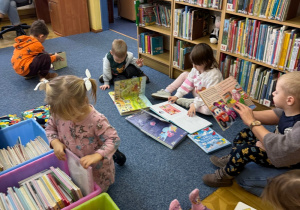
<point x="87" y="81"/>
<point x="43" y="81"/>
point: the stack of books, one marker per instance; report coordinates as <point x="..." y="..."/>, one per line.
<point x="181" y="56"/>
<point x="48" y="189"/>
<point x="216" y="4"/>
<point x="12" y="156"/>
<point x="151" y="43"/>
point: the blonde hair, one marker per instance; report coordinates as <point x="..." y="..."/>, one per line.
<point x="283" y="191"/>
<point x="119" y="48"/>
<point x="67" y="97"/>
<point x="291" y="84"/>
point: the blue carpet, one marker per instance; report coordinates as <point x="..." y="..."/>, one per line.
<point x="153" y="175"/>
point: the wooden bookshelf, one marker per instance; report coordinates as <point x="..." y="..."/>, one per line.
<point x="164" y="62"/>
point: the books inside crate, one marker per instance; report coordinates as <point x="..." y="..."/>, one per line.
<point x="11" y="149"/>
<point x="269" y="43"/>
<point x="45" y="183"/>
<point x="19" y="153"/>
<point x="270" y="9"/>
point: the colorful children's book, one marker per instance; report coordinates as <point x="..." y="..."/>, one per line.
<point x="162" y="131"/>
<point x="178" y="115"/>
<point x="243" y="206"/>
<point x="129" y="95"/>
<point x="209" y="140"/>
<point x="221" y="98"/>
<point x="60" y="64"/>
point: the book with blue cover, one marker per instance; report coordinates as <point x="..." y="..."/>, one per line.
<point x="159" y="129"/>
<point x="209" y="140"/>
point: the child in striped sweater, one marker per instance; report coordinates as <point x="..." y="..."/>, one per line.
<point x="205" y="73"/>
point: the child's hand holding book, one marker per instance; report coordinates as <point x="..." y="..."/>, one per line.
<point x="88" y="160"/>
<point x="58" y="148"/>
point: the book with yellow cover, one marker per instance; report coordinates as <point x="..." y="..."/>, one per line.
<point x="52" y="190"/>
<point x="284" y="49"/>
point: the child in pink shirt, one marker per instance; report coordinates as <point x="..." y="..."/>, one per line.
<point x="78" y="126"/>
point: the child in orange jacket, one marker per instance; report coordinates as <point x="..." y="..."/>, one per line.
<point x="29" y="58"/>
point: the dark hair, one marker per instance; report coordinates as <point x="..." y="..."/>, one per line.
<point x="39" y="27"/>
<point x="202" y="54"/>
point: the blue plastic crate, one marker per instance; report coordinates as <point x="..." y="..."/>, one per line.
<point x="27" y="130"/>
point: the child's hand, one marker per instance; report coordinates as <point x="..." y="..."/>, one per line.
<point x="58" y="148"/>
<point x="103" y="87"/>
<point x="88" y="160"/>
<point x="245" y="113"/>
<point x="172" y="99"/>
<point x="58" y="57"/>
<point x="139" y="62"/>
<point x="260" y="145"/>
<point x="192" y="110"/>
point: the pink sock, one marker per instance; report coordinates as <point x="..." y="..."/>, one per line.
<point x="175" y="205"/>
<point x="195" y="200"/>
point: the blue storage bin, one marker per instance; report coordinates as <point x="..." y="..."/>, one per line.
<point x="27" y="130"/>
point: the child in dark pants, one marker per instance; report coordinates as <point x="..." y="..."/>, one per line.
<point x="256" y="144"/>
<point x="120" y="64"/>
<point x="29" y="58"/>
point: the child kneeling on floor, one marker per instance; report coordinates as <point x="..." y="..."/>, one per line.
<point x="205" y="73"/>
<point x="256" y="144"/>
<point x="75" y="124"/>
<point x="29" y="58"/>
<point x="119" y="64"/>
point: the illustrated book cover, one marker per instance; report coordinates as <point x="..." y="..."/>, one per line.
<point x="129" y="95"/>
<point x="162" y="131"/>
<point x="209" y="140"/>
<point x="60" y="64"/>
<point x="178" y="115"/>
<point x="221" y="98"/>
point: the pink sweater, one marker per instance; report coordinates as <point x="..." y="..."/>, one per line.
<point x="93" y="134"/>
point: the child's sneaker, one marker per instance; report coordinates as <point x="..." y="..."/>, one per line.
<point x="220" y="162"/>
<point x="119" y="158"/>
<point x="49" y="76"/>
<point x="185" y="102"/>
<point x="101" y="79"/>
<point x="219" y="179"/>
<point x="161" y="94"/>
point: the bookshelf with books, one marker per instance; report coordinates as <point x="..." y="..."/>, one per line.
<point x="160" y="28"/>
<point x="265" y="34"/>
<point x="192" y="24"/>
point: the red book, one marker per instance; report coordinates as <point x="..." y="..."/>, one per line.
<point x="62" y="195"/>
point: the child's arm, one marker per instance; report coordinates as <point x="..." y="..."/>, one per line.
<point x="107" y="74"/>
<point x="55" y="143"/>
<point x="88" y="160"/>
<point x="266" y="117"/>
<point x="247" y="116"/>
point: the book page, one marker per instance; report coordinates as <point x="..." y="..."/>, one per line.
<point x="221" y="98"/>
<point x="178" y="116"/>
<point x="60" y="64"/>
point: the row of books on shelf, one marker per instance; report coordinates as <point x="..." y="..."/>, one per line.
<point x="49" y="189"/>
<point x="258" y="82"/>
<point x="191" y="23"/>
<point x="272" y="9"/>
<point x="12" y="156"/>
<point x="151" y="14"/>
<point x="216" y="4"/>
<point x="181" y="56"/>
<point x="265" y="42"/>
<point x="151" y="43"/>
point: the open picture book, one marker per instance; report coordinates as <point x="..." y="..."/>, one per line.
<point x="178" y="115"/>
<point x="221" y="98"/>
<point x="129" y="95"/>
<point x="209" y="140"/>
<point x="162" y="131"/>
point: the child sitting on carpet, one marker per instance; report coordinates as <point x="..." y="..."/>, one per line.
<point x="29" y="58"/>
<point x="75" y="124"/>
<point x="120" y="64"/>
<point x="205" y="73"/>
<point x="256" y="144"/>
<point x="283" y="191"/>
